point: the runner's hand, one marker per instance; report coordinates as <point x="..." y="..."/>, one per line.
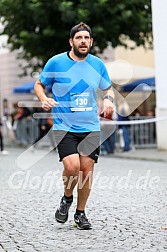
<point x="108" y="108"/>
<point x="49" y="103"/>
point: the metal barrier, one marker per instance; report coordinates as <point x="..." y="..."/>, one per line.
<point x="142" y="132"/>
<point x="143" y="135"/>
<point x="26" y="131"/>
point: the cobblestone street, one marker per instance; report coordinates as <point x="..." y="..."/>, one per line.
<point x="127" y="206"/>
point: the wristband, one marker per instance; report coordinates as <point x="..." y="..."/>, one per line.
<point x="109" y="97"/>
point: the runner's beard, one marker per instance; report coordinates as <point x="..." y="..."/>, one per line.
<point x="79" y="54"/>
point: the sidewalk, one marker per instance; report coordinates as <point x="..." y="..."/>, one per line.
<point x="143" y="154"/>
<point x="152" y="154"/>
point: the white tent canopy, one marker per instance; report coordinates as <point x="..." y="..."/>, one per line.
<point x="121" y="72"/>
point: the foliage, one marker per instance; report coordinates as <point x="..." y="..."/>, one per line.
<point x="41" y="28"/>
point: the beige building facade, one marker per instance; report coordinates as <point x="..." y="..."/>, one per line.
<point x="9" y="78"/>
<point x="138" y="56"/>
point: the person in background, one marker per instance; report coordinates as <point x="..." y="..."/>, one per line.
<point x="123" y="115"/>
<point x="21" y="126"/>
<point x="45" y="125"/>
<point x="2" y="151"/>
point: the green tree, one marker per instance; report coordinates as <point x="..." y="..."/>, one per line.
<point x="41" y="28"/>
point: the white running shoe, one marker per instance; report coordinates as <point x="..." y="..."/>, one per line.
<point x="4" y="152"/>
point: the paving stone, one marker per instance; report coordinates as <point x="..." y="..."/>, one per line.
<point x="124" y="218"/>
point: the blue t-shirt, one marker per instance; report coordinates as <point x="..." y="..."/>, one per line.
<point x="74" y="85"/>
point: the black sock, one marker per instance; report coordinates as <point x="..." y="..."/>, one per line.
<point x="79" y="211"/>
<point x="68" y="199"/>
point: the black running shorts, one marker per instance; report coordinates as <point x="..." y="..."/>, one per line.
<point x="85" y="144"/>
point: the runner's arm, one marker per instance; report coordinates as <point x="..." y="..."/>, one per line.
<point x="47" y="103"/>
<point x="108" y="102"/>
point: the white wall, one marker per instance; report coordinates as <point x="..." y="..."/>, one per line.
<point x="159" y="11"/>
<point x="9" y="78"/>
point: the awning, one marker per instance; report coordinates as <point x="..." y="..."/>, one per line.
<point x="147" y="82"/>
<point x="27" y="88"/>
<point x="122" y="72"/>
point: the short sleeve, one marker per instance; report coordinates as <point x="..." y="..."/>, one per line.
<point x="105" y="81"/>
<point x="47" y="75"/>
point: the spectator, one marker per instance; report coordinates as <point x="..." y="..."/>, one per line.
<point x="45" y="124"/>
<point x="22" y="112"/>
<point x="22" y="125"/>
<point x="3" y="152"/>
<point x="123" y="115"/>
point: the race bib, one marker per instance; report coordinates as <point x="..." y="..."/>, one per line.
<point x="81" y="102"/>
